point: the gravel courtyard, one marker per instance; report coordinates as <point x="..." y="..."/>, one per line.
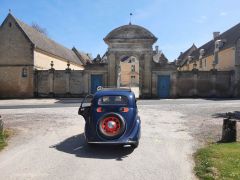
<point x="49" y="141"/>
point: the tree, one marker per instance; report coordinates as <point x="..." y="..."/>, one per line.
<point x="39" y="29"/>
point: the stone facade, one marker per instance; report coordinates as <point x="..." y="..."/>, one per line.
<point x="129" y="73"/>
<point x="25" y="69"/>
<point x="16" y="55"/>
<point x="131" y="40"/>
<point x="21" y="54"/>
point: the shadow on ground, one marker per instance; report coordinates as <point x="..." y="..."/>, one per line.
<point x="76" y="145"/>
<point x="229" y="115"/>
<point x="221" y="99"/>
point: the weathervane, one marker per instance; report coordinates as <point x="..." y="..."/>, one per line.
<point x="130" y="22"/>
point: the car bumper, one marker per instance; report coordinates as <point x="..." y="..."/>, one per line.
<point x="128" y="139"/>
<point x="113" y="142"/>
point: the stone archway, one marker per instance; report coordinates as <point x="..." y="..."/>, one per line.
<point x="132" y="41"/>
<point x="128" y="74"/>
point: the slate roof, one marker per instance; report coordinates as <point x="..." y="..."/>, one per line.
<point x="85" y="58"/>
<point x="43" y="43"/>
<point x="183" y="57"/>
<point x="231" y="36"/>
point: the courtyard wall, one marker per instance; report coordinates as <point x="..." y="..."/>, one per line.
<point x="206" y="84"/>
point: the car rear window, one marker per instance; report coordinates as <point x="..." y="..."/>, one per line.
<point x="113" y="100"/>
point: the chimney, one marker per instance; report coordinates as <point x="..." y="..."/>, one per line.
<point x="156" y="49"/>
<point x="216" y="35"/>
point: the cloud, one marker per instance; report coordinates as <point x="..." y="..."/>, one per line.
<point x="223" y="14"/>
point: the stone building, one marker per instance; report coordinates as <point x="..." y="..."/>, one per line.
<point x="221" y="53"/>
<point x="136" y="42"/>
<point x="129" y="72"/>
<point x="24" y="50"/>
<point x="130" y="60"/>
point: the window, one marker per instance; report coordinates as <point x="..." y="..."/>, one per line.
<point x="24" y="72"/>
<point x="113" y="100"/>
<point x="10" y="24"/>
<point x="205" y="63"/>
<point x="200" y="65"/>
<point x="133" y="68"/>
<point x="132" y="77"/>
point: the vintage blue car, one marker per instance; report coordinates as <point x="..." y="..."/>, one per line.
<point x="111" y="118"/>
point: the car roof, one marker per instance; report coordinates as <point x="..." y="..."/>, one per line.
<point x="114" y="91"/>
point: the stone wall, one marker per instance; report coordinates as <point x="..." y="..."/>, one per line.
<point x="204" y="84"/>
<point x="15" y="84"/>
<point x="64" y="83"/>
<point x="69" y="83"/>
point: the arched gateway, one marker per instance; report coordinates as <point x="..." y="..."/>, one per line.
<point x="130" y="61"/>
<point x="131" y="41"/>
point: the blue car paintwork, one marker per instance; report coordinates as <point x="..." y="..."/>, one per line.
<point x="132" y="132"/>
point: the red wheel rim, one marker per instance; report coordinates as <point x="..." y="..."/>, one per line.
<point x="110" y="126"/>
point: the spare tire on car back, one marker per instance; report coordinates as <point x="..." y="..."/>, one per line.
<point x="111" y="126"/>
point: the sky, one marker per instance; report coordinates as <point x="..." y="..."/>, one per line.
<point x="84" y="23"/>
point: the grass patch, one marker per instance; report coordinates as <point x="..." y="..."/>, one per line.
<point x="3" y="138"/>
<point x="218" y="161"/>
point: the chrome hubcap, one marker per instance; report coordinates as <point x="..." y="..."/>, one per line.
<point x="111" y="124"/>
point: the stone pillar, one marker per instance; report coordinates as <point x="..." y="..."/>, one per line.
<point x="154" y="84"/>
<point x="112" y="70"/>
<point x="67" y="75"/>
<point x="195" y="81"/>
<point x="147" y="75"/>
<point x="51" y="82"/>
<point x="85" y="84"/>
<point x="237" y="81"/>
<point x="213" y="80"/>
<point x="35" y="83"/>
<point x="174" y="84"/>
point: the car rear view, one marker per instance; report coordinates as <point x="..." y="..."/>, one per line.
<point x="113" y="118"/>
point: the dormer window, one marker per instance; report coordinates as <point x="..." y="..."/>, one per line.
<point x="219" y="44"/>
<point x="202" y="53"/>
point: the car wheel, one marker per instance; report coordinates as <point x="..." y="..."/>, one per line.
<point x="111" y="126"/>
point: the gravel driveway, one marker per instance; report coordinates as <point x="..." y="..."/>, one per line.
<point x="49" y="142"/>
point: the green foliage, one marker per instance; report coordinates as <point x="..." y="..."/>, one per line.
<point x="3" y="138"/>
<point x="218" y="161"/>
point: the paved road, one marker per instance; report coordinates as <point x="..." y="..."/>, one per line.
<point x="49" y="142"/>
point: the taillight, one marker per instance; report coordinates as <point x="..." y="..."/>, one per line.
<point x="99" y="109"/>
<point x="124" y="109"/>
